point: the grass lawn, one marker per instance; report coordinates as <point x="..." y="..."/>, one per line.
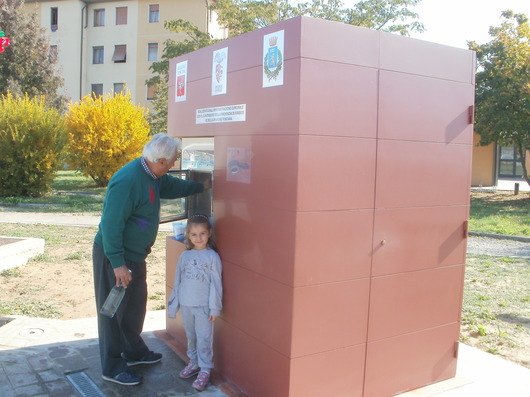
<point x="496" y="307"/>
<point x="500" y="213"/>
<point x="74" y="193"/>
<point x="59" y="282"/>
<point x="71" y="192"/>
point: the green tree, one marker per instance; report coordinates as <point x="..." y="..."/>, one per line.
<point x="388" y="15"/>
<point x="26" y="66"/>
<point x="241" y="16"/>
<point x="194" y="40"/>
<point x="503" y="86"/>
<point x="31" y="140"/>
<point x="104" y="134"/>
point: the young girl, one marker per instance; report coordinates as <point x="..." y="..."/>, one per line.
<point x="198" y="292"/>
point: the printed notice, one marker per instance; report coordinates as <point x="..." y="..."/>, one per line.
<point x="180" y="82"/>
<point x="273" y="59"/>
<point x="219" y="71"/>
<point x="221" y="114"/>
<point x="238" y="165"/>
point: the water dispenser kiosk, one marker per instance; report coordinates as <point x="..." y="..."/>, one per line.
<point x="342" y="167"/>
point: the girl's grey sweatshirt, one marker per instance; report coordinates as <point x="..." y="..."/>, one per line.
<point x="197" y="282"/>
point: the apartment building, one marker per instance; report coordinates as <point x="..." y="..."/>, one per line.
<point x="106" y="46"/>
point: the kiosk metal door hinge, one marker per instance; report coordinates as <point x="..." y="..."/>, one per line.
<point x="457" y="344"/>
<point x="466" y="226"/>
<point x="471" y="114"/>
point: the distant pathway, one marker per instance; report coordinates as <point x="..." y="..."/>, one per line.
<point x="476" y="245"/>
<point x="50" y="218"/>
<point x="498" y="247"/>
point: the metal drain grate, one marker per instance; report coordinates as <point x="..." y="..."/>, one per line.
<point x="84" y="385"/>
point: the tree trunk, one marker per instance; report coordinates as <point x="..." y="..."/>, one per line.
<point x="522" y="154"/>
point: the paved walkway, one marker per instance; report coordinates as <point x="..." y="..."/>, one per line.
<point x="509" y="184"/>
<point x="50" y="218"/>
<point x="38" y="357"/>
<point x="502" y="246"/>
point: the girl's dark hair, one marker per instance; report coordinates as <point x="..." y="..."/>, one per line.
<point x="200" y="219"/>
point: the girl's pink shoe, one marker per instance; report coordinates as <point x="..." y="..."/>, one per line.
<point x="202" y="381"/>
<point x="188" y="371"/>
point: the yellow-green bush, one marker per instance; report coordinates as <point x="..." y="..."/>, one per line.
<point x="104" y="134"/>
<point x="32" y="137"/>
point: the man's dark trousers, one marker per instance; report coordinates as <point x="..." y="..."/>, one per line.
<point x="120" y="334"/>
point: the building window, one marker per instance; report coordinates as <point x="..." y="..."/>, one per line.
<point x="99" y="17"/>
<point x="53" y="53"/>
<point x="97" y="90"/>
<point x="120" y="53"/>
<point x="54" y="18"/>
<point x="154" y="13"/>
<point x="97" y="55"/>
<point x="151" y="91"/>
<point x="119" y="88"/>
<point x="152" y="52"/>
<point x="121" y="15"/>
<point x="510" y="163"/>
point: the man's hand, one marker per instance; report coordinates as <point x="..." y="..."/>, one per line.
<point x="123" y="275"/>
<point x="207" y="184"/>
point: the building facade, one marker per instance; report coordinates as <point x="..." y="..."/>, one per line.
<point x="107" y="46"/>
<point x="493" y="163"/>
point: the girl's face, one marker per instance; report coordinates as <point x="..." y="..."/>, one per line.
<point x="198" y="235"/>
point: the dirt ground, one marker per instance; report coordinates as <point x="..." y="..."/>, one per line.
<point x="61" y="278"/>
<point x="59" y="282"/>
<point x="499" y="196"/>
<point x="496" y="307"/>
<point x="508" y="347"/>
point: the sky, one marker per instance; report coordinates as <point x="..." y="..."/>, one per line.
<point x="454" y="22"/>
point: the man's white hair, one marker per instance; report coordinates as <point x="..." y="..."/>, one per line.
<point x="161" y="146"/>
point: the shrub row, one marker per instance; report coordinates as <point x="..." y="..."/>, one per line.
<point x="97" y="136"/>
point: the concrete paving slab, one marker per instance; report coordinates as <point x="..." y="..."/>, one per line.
<point x="37" y="354"/>
<point x="16" y="251"/>
<point x="480" y="374"/>
<point x="509" y="184"/>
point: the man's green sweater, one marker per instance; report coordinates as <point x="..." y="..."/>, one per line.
<point x="131" y="211"/>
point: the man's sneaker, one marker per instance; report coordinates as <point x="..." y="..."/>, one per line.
<point x="125" y="378"/>
<point x="149" y="358"/>
<point x="202" y="381"/>
<point x="189" y="370"/>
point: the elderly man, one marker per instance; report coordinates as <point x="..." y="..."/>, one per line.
<point x="127" y="231"/>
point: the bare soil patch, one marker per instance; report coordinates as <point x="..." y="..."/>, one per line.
<point x="59" y="283"/>
<point x="7" y="240"/>
<point x="500" y="196"/>
<point x="496" y="307"/>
